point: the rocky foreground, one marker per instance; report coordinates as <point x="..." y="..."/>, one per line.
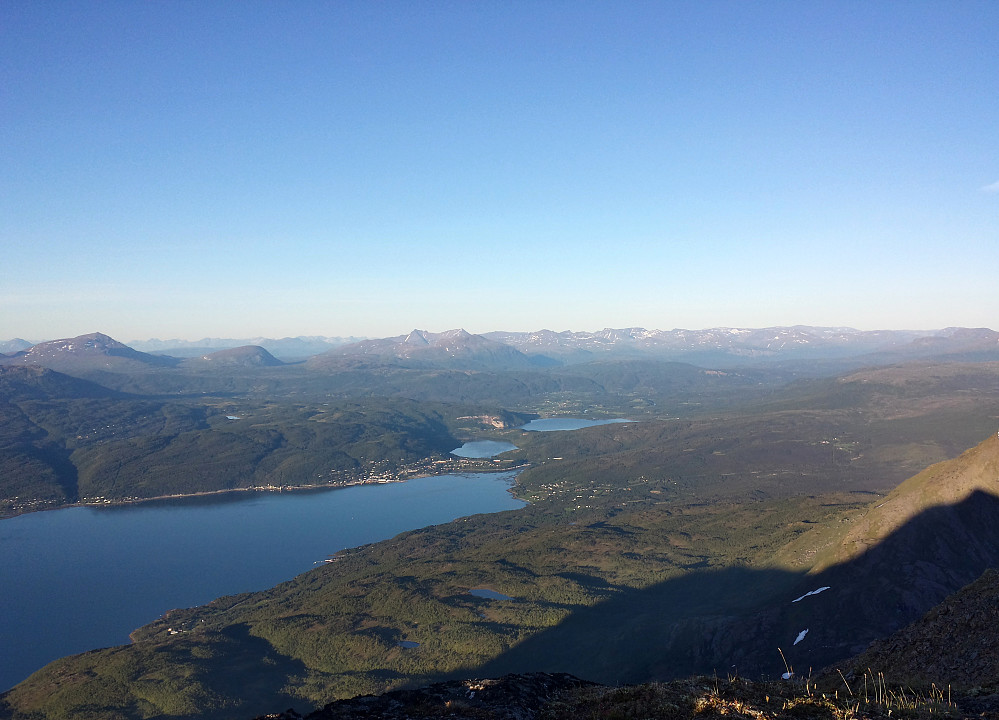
<point x="543" y="696"/>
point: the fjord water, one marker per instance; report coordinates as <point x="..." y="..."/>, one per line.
<point x="83" y="578"/>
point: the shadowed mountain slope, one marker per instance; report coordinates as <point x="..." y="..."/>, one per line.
<point x="955" y="643"/>
<point x="971" y="478"/>
<point x="954" y="648"/>
<point x="737" y="617"/>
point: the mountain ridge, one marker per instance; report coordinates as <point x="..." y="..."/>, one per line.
<point x="286" y="348"/>
<point x="93" y="351"/>
<point x="946" y="483"/>
<point x="247" y="356"/>
<point x="514" y="349"/>
<point x="449" y="349"/>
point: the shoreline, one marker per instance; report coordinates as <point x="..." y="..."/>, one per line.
<point x="400" y="475"/>
<point x="465" y="478"/>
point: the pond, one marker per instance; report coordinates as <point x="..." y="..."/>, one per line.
<point x="488" y="594"/>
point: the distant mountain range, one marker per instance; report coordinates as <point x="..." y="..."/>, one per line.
<point x="13" y="346"/>
<point x="91" y="352"/>
<point x="497" y="351"/>
<point x="451" y="349"/>
<point x="747" y="345"/>
<point x="288" y="348"/>
<point x="97" y="352"/>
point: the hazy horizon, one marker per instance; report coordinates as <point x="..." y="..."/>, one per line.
<point x="354" y="169"/>
<point x="194" y="340"/>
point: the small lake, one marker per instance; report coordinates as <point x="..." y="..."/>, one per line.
<point x="83" y="578"/>
<point x="488" y="594"/>
<point x="553" y="424"/>
<point x="483" y="449"/>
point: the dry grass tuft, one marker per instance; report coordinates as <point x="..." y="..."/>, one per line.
<point x="703" y="697"/>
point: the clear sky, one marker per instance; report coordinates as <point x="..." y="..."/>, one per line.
<point x="240" y="169"/>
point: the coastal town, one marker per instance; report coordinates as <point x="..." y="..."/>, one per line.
<point x="375" y="472"/>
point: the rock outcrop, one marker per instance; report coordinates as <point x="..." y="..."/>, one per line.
<point x="512" y="697"/>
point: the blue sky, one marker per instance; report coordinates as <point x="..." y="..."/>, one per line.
<point x="242" y="169"/>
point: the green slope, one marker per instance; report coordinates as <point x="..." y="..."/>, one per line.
<point x="665" y="529"/>
<point x="63" y="440"/>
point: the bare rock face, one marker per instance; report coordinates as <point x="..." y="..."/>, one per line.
<point x="511" y="697"/>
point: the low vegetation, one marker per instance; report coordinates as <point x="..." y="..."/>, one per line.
<point x="653" y="549"/>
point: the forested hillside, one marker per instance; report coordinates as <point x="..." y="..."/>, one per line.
<point x="67" y="440"/>
<point x="714" y="508"/>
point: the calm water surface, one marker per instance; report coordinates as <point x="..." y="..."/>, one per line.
<point x="483" y="449"/>
<point x="82" y="578"/>
<point x="489" y="594"/>
<point x="552" y="424"/>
